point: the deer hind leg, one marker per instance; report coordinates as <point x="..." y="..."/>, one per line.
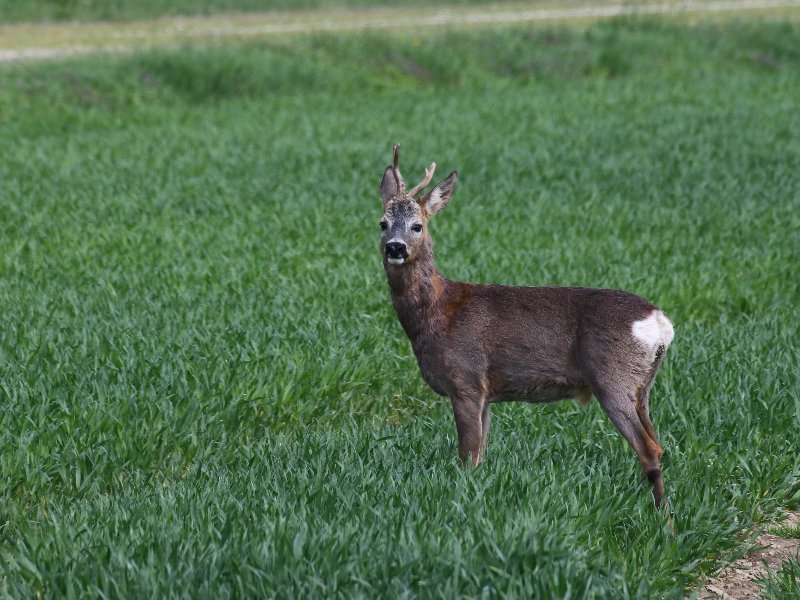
<point x="643" y="398"/>
<point x="622" y="408"/>
<point x="467" y="410"/>
<point x="643" y="412"/>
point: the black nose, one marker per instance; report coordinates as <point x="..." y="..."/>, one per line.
<point x="396" y="250"/>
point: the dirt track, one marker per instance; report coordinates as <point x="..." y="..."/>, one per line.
<point x="740" y="580"/>
<point x="48" y="40"/>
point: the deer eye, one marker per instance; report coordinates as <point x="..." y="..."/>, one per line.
<point x="416" y="227"/>
<point x="384" y="225"/>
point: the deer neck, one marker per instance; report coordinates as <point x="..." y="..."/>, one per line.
<point x="417" y="291"/>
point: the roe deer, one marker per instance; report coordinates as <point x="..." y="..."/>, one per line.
<point x="478" y="344"/>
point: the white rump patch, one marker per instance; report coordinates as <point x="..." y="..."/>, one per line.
<point x="655" y="330"/>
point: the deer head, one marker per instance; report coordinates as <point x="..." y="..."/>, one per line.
<point x="404" y="226"/>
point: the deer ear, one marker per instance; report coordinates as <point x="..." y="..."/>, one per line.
<point x="437" y="198"/>
<point x="390" y="186"/>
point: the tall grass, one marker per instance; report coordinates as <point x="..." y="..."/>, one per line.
<point x="205" y="392"/>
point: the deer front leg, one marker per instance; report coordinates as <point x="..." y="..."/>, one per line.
<point x="486" y="417"/>
<point x="467" y="412"/>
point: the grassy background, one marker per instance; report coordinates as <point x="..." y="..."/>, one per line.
<point x="205" y="392"/>
<point x="60" y="10"/>
<point x="12" y="11"/>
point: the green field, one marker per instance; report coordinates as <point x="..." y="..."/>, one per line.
<point x="16" y="11"/>
<point x="204" y="389"/>
<point x="121" y="10"/>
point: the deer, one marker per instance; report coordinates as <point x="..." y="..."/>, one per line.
<point x="479" y="344"/>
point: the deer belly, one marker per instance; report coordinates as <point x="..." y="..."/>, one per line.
<point x="540" y="390"/>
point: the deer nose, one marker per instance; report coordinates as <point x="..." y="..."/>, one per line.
<point x="396" y="250"/>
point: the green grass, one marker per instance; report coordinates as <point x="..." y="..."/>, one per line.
<point x="13" y="11"/>
<point x="785" y="584"/>
<point x="205" y="392"/>
<point x="121" y="10"/>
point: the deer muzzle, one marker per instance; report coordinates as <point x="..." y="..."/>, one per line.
<point x="396" y="252"/>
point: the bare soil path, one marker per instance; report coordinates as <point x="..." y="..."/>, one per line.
<point x="739" y="581"/>
<point x="31" y="41"/>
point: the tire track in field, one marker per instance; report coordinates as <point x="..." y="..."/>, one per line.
<point x="81" y="38"/>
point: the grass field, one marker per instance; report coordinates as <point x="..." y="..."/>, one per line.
<point x="205" y="392"/>
<point x="62" y="10"/>
<point x="93" y="11"/>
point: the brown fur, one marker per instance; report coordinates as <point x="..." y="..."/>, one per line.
<point x="479" y="344"/>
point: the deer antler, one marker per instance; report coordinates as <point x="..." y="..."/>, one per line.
<point x="428" y="175"/>
<point x="401" y="185"/>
